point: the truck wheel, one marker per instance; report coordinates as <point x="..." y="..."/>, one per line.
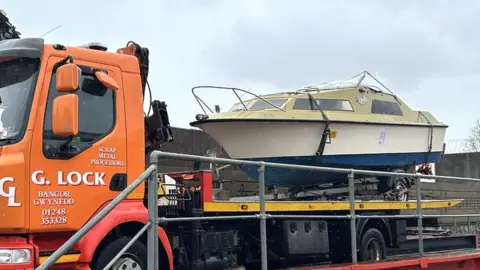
<point x="135" y="258"/>
<point x="372" y="246"/>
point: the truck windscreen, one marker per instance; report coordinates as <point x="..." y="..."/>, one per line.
<point x="17" y="83"/>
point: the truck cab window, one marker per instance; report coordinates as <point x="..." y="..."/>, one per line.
<point x="96" y="111"/>
<point x="17" y="82"/>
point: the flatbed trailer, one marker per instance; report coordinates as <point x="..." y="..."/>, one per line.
<point x="298" y="232"/>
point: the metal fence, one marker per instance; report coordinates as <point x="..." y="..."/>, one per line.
<point x="152" y="197"/>
<point x="457" y="146"/>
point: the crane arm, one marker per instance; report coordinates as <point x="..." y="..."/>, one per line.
<point x="7" y="30"/>
<point x="157" y="125"/>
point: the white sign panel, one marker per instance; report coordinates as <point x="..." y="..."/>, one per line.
<point x="426" y="180"/>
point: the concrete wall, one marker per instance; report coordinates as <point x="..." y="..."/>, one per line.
<point x="196" y="142"/>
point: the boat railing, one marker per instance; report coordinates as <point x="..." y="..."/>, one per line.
<point x="353" y="82"/>
<point x="151" y="225"/>
<point x="235" y="90"/>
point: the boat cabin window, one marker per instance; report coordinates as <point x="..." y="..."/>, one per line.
<point x="386" y="107"/>
<point x="264" y="105"/>
<point x="324" y="104"/>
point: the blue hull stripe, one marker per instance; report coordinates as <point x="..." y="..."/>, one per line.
<point x="286" y="177"/>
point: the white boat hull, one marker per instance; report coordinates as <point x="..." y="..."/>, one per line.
<point x="353" y="145"/>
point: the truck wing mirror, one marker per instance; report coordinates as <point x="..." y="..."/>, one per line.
<point x="106" y="80"/>
<point x="68" y="78"/>
<point x="65" y="115"/>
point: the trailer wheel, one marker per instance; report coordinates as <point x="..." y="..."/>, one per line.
<point x="135" y="258"/>
<point x="372" y="246"/>
<point x="401" y="187"/>
<point x="394" y="186"/>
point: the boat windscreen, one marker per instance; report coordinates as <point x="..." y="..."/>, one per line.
<point x="265" y="105"/>
<point x="239" y="106"/>
<point x="324" y="104"/>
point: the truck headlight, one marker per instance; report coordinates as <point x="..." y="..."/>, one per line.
<point x="17" y="255"/>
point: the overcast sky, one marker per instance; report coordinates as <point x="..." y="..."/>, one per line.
<point x="427" y="52"/>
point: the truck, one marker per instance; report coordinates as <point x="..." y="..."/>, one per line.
<point x="75" y="136"/>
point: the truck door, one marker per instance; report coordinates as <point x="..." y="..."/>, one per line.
<point x="71" y="179"/>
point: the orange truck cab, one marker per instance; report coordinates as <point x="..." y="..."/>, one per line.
<point x="73" y="135"/>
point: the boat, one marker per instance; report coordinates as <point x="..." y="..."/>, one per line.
<point x="351" y="123"/>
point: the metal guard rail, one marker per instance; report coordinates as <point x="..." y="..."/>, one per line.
<point x="234" y="90"/>
<point x="153" y="220"/>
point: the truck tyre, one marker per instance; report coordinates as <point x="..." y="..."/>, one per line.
<point x="135" y="258"/>
<point x="372" y="246"/>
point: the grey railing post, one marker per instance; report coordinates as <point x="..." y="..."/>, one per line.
<point x="420" y="215"/>
<point x="468" y="224"/>
<point x="353" y="227"/>
<point x="152" y="199"/>
<point x="263" y="217"/>
<point x="455" y="225"/>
